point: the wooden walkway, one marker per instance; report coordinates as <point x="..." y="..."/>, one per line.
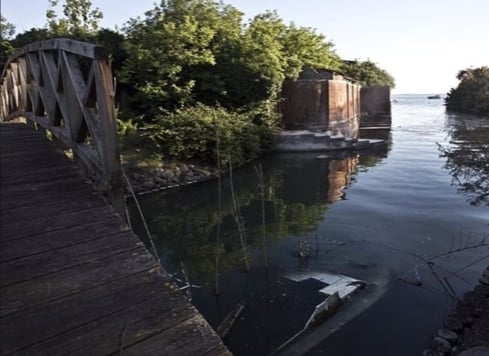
<point x="74" y="279"/>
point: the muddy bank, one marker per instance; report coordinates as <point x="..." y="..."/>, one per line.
<point x="466" y="329"/>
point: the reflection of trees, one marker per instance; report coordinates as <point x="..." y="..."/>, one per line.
<point x="468" y="162"/>
<point x="298" y="191"/>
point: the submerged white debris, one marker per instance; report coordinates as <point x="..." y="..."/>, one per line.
<point x="336" y="283"/>
<point x="338" y="289"/>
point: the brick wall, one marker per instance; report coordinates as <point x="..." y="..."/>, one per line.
<point x="304" y="104"/>
<point x="319" y="104"/>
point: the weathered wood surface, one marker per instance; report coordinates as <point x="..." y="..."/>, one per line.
<point x="74" y="279"/>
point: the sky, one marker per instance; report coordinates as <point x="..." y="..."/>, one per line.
<point x="422" y="43"/>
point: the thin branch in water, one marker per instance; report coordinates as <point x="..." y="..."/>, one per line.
<point x="143" y="219"/>
<point x="261" y="186"/>
<point x="443" y="285"/>
<point x="219" y="214"/>
<point x="237" y="216"/>
<point x="471" y="247"/>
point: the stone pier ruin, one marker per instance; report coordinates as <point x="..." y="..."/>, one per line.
<point x="320" y="111"/>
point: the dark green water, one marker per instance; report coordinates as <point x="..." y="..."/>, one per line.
<point x="376" y="216"/>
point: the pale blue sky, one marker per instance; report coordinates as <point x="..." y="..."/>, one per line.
<point x="423" y="43"/>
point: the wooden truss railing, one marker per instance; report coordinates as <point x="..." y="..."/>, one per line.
<point x="66" y="87"/>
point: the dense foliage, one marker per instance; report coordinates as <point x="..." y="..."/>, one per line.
<point x="367" y="73"/>
<point x="472" y="93"/>
<point x="79" y="20"/>
<point x="193" y="69"/>
<point x="186" y="52"/>
<point x="187" y="56"/>
<point x="207" y="133"/>
<point x="7" y="30"/>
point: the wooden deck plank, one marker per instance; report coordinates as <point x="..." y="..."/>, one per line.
<point x="53" y="185"/>
<point x="38" y="174"/>
<point x="174" y="341"/>
<point x="39" y="243"/>
<point x="28" y="199"/>
<point x="73" y="277"/>
<point x="62" y="220"/>
<point x="55" y="260"/>
<point x="72" y="280"/>
<point x="127" y="327"/>
<point x="50" y="208"/>
<point x="96" y="303"/>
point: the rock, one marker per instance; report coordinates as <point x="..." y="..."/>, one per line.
<point x="160" y="180"/>
<point x="476" y="351"/>
<point x="440" y="344"/>
<point x="167" y="175"/>
<point x="484" y="280"/>
<point x="468" y="321"/>
<point x="429" y="352"/>
<point x="136" y="178"/>
<point x="205" y="173"/>
<point x="476" y="312"/>
<point x="183" y="168"/>
<point x="454" y="324"/>
<point x="448" y="335"/>
<point x="147" y="185"/>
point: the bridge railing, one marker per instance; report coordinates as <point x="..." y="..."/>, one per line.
<point x="66" y="86"/>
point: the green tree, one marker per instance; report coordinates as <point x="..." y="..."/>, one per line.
<point x="79" y="20"/>
<point x="472" y="93"/>
<point x="304" y="47"/>
<point x="367" y="73"/>
<point x="29" y="36"/>
<point x="173" y="40"/>
<point x="7" y="30"/>
<point x="188" y="51"/>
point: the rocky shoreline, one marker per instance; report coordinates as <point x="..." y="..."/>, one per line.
<point x="149" y="180"/>
<point x="466" y="330"/>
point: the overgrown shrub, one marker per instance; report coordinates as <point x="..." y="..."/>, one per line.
<point x="197" y="132"/>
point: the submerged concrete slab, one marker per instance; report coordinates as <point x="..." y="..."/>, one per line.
<point x="309" y="141"/>
<point x="344" y="286"/>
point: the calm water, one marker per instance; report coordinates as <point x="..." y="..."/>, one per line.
<point x="377" y="216"/>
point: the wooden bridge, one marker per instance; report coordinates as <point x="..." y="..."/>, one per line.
<point x="74" y="279"/>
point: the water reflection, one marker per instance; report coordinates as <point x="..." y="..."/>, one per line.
<point x="467" y="156"/>
<point x="298" y="190"/>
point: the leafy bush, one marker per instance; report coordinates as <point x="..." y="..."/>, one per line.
<point x="368" y="73"/>
<point x="197" y="132"/>
<point x="472" y="93"/>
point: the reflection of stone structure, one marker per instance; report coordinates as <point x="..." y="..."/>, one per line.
<point x="339" y="175"/>
<point x="321" y="101"/>
<point x="309" y="180"/>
